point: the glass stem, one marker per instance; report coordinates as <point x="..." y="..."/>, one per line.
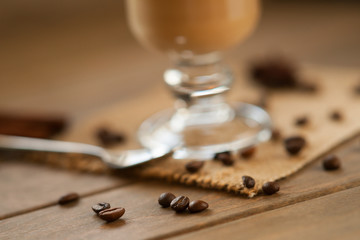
<point x="199" y="83"/>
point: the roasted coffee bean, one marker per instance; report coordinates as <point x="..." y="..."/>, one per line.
<point x="108" y="138"/>
<point x="275" y="135"/>
<point x="293" y="145"/>
<point x="331" y="162"/>
<point x="111" y="214"/>
<point x="275" y="72"/>
<point x="165" y="199"/>
<point x="336" y="116"/>
<point x="248" y="152"/>
<point x="219" y="156"/>
<point x="248" y="181"/>
<point x="180" y="203"/>
<point x="194" y="166"/>
<point x="301" y="121"/>
<point x="270" y="188"/>
<point x="68" y="198"/>
<point x="225" y="158"/>
<point x="227" y="161"/>
<point x="197" y="206"/>
<point x="100" y="207"/>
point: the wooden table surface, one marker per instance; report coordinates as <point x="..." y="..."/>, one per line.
<point x="74" y="61"/>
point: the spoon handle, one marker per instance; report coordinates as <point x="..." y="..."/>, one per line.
<point x="44" y="145"/>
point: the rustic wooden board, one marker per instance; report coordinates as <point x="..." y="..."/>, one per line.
<point x="73" y="69"/>
<point x="26" y="186"/>
<point x="335" y="216"/>
<point x="144" y="217"/>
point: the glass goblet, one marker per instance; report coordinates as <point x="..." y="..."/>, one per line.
<point x="193" y="33"/>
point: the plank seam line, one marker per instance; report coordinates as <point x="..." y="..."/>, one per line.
<point x="54" y="203"/>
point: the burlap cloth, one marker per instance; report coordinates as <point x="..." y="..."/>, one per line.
<point x="271" y="162"/>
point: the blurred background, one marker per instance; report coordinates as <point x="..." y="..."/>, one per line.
<point x="74" y="57"/>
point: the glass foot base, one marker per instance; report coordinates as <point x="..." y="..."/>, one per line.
<point x="248" y="126"/>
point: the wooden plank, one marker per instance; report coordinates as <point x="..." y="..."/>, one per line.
<point x="335" y="216"/>
<point x="26" y="187"/>
<point x="145" y="218"/>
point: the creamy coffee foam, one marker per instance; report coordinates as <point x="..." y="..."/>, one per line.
<point x="200" y="26"/>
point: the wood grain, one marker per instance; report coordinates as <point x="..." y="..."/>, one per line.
<point x="27" y="187"/>
<point x="77" y="63"/>
<point x="145" y="218"/>
<point x="335" y="216"/>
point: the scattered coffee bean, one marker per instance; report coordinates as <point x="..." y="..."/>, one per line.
<point x="293" y="145"/>
<point x="248" y="181"/>
<point x="197" y="206"/>
<point x="194" y="166"/>
<point x="68" y="198"/>
<point x="180" y="203"/>
<point x="274" y="72"/>
<point x="275" y="135"/>
<point x="165" y="199"/>
<point x="336" y="116"/>
<point x="111" y="214"/>
<point x="219" y="156"/>
<point x="248" y="152"/>
<point x="331" y="162"/>
<point x="227" y="161"/>
<point x="100" y="207"/>
<point x="225" y="158"/>
<point x="301" y="121"/>
<point x="270" y="188"/>
<point x="108" y="137"/>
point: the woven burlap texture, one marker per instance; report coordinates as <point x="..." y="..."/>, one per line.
<point x="271" y="162"/>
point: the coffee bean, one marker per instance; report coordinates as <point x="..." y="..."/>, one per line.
<point x="227" y="161"/>
<point x="248" y="181"/>
<point x="197" y="206"/>
<point x="225" y="158"/>
<point x="293" y="145"/>
<point x="275" y="72"/>
<point x="219" y="156"/>
<point x="301" y="121"/>
<point x="194" y="166"/>
<point x="275" y="135"/>
<point x="108" y="137"/>
<point x="180" y="203"/>
<point x="111" y="214"/>
<point x="270" y="188"/>
<point x="248" y="152"/>
<point x="165" y="199"/>
<point x="336" y="116"/>
<point x="100" y="207"/>
<point x="331" y="162"/>
<point x="68" y="198"/>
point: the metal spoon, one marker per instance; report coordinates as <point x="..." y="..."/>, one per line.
<point x="114" y="159"/>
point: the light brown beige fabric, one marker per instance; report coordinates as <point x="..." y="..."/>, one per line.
<point x="270" y="162"/>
